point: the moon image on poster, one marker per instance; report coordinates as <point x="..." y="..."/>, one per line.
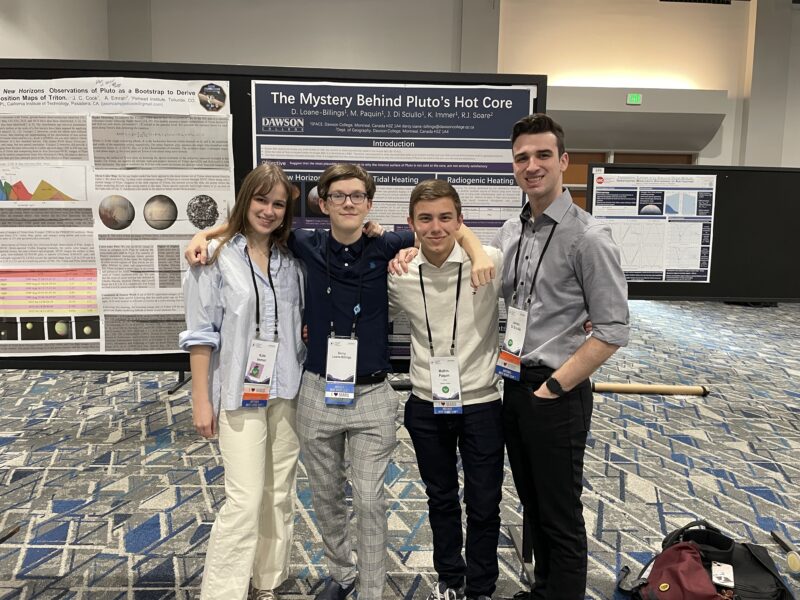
<point x="160" y="212"/>
<point x="87" y="330"/>
<point x="202" y="211"/>
<point x="61" y="328"/>
<point x="116" y="212"/>
<point x="650" y="209"/>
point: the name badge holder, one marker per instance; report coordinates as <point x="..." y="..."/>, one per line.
<point x="341" y="362"/>
<point x="445" y="376"/>
<point x="340" y="371"/>
<point x="509" y="361"/>
<point x="263" y="353"/>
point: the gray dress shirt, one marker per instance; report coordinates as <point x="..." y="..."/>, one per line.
<point x="580" y="278"/>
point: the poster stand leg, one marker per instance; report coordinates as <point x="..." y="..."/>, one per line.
<point x="9" y="531"/>
<point x="182" y="380"/>
<point x="521" y="538"/>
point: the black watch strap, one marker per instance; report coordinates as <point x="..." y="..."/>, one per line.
<point x="554" y="386"/>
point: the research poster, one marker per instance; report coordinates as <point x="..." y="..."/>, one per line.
<point x="102" y="183"/>
<point x="402" y="134"/>
<point x="662" y="223"/>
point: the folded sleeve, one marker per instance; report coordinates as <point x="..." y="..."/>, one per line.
<point x="202" y="297"/>
<point x="605" y="290"/>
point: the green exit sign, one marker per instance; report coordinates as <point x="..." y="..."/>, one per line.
<point x="634" y="99"/>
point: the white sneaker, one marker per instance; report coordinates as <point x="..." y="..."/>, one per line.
<point x="441" y="592"/>
<point x="263" y="595"/>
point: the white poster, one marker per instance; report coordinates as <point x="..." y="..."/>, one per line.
<point x="662" y="223"/>
<point x="102" y="183"/>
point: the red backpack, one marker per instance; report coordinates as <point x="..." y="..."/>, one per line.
<point x="678" y="574"/>
<point x="682" y="571"/>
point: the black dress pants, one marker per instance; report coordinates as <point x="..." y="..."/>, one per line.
<point x="546" y="442"/>
<point x="478" y="436"/>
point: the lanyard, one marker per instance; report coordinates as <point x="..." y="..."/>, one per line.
<point x="258" y="303"/>
<point x="356" y="308"/>
<point x="538" y="264"/>
<point x="455" y="312"/>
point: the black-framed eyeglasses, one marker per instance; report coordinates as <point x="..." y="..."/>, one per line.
<point x="355" y="197"/>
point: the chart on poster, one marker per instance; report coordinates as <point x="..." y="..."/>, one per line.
<point x="102" y="183"/>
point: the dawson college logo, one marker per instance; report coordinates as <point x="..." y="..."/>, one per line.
<point x="282" y="124"/>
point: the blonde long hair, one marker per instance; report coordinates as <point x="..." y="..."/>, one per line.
<point x="260" y="180"/>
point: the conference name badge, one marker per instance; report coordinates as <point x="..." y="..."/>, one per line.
<point x="258" y="376"/>
<point x="445" y="385"/>
<point x="340" y="371"/>
<point x="508" y="362"/>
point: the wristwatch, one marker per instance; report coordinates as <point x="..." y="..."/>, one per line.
<point x="554" y="386"/>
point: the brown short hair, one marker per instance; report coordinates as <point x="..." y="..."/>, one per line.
<point x="341" y="171"/>
<point x="433" y="189"/>
<point x="260" y="180"/>
<point x="539" y="123"/>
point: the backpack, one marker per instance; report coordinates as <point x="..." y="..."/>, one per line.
<point x="682" y="571"/>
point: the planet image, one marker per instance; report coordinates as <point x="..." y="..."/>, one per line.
<point x="116" y="212"/>
<point x="8" y="329"/>
<point x="32" y="328"/>
<point x="160" y="212"/>
<point x="202" y="211"/>
<point x="650" y="209"/>
<point x="87" y="327"/>
<point x="312" y="203"/>
<point x="59" y="328"/>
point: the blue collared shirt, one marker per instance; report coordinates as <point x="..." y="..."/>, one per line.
<point x="221" y="313"/>
<point x="365" y="260"/>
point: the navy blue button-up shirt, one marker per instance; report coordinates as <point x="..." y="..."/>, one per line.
<point x="365" y="259"/>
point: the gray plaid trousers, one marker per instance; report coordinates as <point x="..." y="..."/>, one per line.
<point x="368" y="429"/>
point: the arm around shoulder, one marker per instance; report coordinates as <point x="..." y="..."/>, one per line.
<point x="197" y="250"/>
<point x="483" y="268"/>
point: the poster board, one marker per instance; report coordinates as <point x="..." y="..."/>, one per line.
<point x="237" y="85"/>
<point x="731" y="237"/>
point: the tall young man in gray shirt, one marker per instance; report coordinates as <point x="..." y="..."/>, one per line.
<point x="560" y="268"/>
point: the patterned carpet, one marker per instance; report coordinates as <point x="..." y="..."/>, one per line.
<point x="115" y="493"/>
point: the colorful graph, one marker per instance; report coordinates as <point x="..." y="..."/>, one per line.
<point x="43" y="191"/>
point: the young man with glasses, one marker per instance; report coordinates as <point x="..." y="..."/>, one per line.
<point x="454" y="335"/>
<point x="345" y="398"/>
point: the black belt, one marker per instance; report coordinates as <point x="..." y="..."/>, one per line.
<point x="370" y="379"/>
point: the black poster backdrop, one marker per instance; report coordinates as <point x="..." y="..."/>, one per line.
<point x="240" y="79"/>
<point x="753" y="255"/>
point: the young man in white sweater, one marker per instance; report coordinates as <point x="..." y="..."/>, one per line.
<point x="455" y="403"/>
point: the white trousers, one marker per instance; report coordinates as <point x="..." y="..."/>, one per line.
<point x="252" y="534"/>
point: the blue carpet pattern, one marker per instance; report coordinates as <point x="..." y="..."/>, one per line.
<point x="116" y="494"/>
